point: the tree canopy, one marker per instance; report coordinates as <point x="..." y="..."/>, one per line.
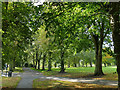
<point x="64" y="33"/>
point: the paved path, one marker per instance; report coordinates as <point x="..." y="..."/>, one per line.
<point x="27" y="78"/>
<point x="29" y="75"/>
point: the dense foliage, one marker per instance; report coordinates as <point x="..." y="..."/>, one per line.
<point x="59" y="34"/>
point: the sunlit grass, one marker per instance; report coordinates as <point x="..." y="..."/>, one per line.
<point x="18" y="69"/>
<point x="82" y="72"/>
<point x="109" y="76"/>
<point x="56" y="84"/>
<point x="0" y="81"/>
<point x="10" y="82"/>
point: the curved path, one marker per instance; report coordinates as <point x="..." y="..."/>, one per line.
<point x="29" y="75"/>
<point x="27" y="78"/>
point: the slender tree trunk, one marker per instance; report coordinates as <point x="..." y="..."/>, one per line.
<point x="116" y="36"/>
<point x="33" y="61"/>
<point x="78" y="64"/>
<point x="39" y="64"/>
<point x="86" y="64"/>
<point x="49" y="62"/>
<point x="62" y="69"/>
<point x="90" y="63"/>
<point x="11" y="66"/>
<point x="36" y="65"/>
<point x="36" y="59"/>
<point x="68" y="64"/>
<point x="44" y="59"/>
<point x="22" y="63"/>
<point x="55" y="64"/>
<point x="83" y="63"/>
<point x="105" y="64"/>
<point x="14" y="63"/>
<point x="39" y="60"/>
<point x="75" y="65"/>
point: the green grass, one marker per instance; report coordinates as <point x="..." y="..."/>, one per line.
<point x="82" y="72"/>
<point x="10" y="82"/>
<point x="18" y="69"/>
<point x="0" y="81"/>
<point x="58" y="85"/>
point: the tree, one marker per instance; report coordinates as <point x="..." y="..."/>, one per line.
<point x="116" y="35"/>
<point x="16" y="32"/>
<point x="41" y="44"/>
<point x="107" y="59"/>
<point x="98" y="27"/>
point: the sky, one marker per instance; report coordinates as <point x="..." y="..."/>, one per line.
<point x="38" y="2"/>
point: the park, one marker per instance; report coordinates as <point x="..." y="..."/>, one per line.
<point x="60" y="45"/>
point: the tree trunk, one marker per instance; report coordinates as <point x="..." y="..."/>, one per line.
<point x="83" y="63"/>
<point x="90" y="63"/>
<point x="98" y="42"/>
<point x="22" y="62"/>
<point x="39" y="60"/>
<point x="39" y="64"/>
<point x="98" y="63"/>
<point x="55" y="64"/>
<point x="75" y="65"/>
<point x="86" y="64"/>
<point x="36" y="65"/>
<point x="105" y="64"/>
<point x="14" y="63"/>
<point x="78" y="64"/>
<point x="116" y="36"/>
<point x="68" y="64"/>
<point x="49" y="62"/>
<point x="43" y="64"/>
<point x="33" y="61"/>
<point x="11" y="66"/>
<point x="36" y="59"/>
<point x="62" y="69"/>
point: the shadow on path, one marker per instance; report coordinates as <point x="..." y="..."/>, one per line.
<point x="29" y="75"/>
<point x="27" y="78"/>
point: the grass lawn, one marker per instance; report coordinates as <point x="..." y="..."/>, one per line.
<point x="0" y="82"/>
<point x="57" y="85"/>
<point x="18" y="69"/>
<point x="82" y="72"/>
<point x="10" y="82"/>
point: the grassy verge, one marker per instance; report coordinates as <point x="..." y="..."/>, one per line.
<point x="0" y="82"/>
<point x="56" y="85"/>
<point x="82" y="72"/>
<point x="10" y="82"/>
<point x="18" y="69"/>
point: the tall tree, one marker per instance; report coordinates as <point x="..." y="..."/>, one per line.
<point x="116" y="34"/>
